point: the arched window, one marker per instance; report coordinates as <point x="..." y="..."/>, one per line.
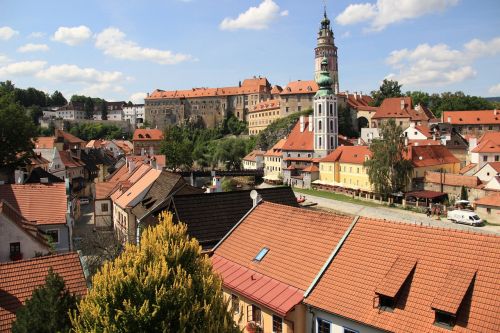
<point x="331" y="125"/>
<point x="331" y="110"/>
<point x="331" y="142"/>
<point x="319" y="125"/>
<point x="319" y="142"/>
<point x="319" y="109"/>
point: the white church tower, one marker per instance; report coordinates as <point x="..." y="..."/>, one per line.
<point x="325" y="114"/>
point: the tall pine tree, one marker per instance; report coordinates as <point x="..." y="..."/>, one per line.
<point x="48" y="308"/>
<point x="163" y="285"/>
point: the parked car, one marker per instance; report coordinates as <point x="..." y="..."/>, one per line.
<point x="84" y="201"/>
<point x="464" y="216"/>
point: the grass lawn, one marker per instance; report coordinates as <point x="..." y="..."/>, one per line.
<point x="336" y="196"/>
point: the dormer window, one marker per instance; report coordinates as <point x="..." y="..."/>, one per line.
<point x="445" y="319"/>
<point x="391" y="286"/>
<point x="141" y="136"/>
<point x="262" y="253"/>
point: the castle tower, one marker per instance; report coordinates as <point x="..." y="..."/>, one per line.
<point x="326" y="48"/>
<point x="325" y="113"/>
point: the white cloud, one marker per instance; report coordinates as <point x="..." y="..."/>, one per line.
<point x="33" y="48"/>
<point x="4" y="59"/>
<point x="23" y="68"/>
<point x="36" y="34"/>
<point x="346" y="34"/>
<point x="386" y="12"/>
<point x="254" y="18"/>
<point x="73" y="73"/>
<point x="439" y="64"/>
<point x="138" y="97"/>
<point x="495" y="90"/>
<point x="7" y="33"/>
<point x="72" y="36"/>
<point x="356" y="13"/>
<point x="101" y="89"/>
<point x="114" y="43"/>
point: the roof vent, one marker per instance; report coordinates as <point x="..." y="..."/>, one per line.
<point x="261" y="254"/>
<point x="44" y="180"/>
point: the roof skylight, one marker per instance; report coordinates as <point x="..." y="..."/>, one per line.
<point x="261" y="254"/>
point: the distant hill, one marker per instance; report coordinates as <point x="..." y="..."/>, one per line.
<point x="492" y="99"/>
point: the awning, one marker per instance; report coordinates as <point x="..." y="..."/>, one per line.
<point x="271" y="293"/>
<point x="425" y="194"/>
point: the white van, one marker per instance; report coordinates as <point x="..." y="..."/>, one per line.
<point x="464" y="216"/>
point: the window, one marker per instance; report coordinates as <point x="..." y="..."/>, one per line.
<point x="348" y="330"/>
<point x="256" y="314"/>
<point x="286" y="109"/>
<point x="319" y="142"/>
<point x="261" y="254"/>
<point x="319" y="125"/>
<point x="323" y="326"/>
<point x="235" y="303"/>
<point x="488" y="210"/>
<point x="104" y="207"/>
<point x="386" y="302"/>
<point x="15" y="249"/>
<point x="53" y="234"/>
<point x="319" y="109"/>
<point x="444" y="319"/>
<point x="485" y="158"/>
<point x="277" y="324"/>
<point x="331" y="109"/>
<point x="497" y="158"/>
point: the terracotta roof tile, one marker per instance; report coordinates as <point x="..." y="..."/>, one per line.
<point x="276" y="150"/>
<point x="452" y="292"/>
<point x="38" y="203"/>
<point x="391" y="108"/>
<point x="297" y="250"/>
<point x="18" y="279"/>
<point x="70" y="161"/>
<point x="492" y="199"/>
<point x="488" y="146"/>
<point x="253" y="155"/>
<point x="271" y="104"/>
<point x="347" y="288"/>
<point x="144" y="134"/>
<point x="349" y="154"/>
<point x="300" y="87"/>
<point x="422" y="156"/>
<point x="135" y="193"/>
<point x="467" y="168"/>
<point x="45" y="142"/>
<point x="298" y="140"/>
<point x="311" y="168"/>
<point x="104" y="189"/>
<point x="472" y="117"/>
<point x="69" y="138"/>
<point x="452" y="179"/>
<point x="397" y="274"/>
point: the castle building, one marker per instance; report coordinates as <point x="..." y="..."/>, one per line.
<point x="326" y="48"/>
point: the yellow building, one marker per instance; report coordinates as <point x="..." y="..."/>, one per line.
<point x="344" y="168"/>
<point x="432" y="158"/>
<point x="273" y="160"/>
<point x="261" y="115"/>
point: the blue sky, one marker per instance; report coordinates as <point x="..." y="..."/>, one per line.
<point x="120" y="50"/>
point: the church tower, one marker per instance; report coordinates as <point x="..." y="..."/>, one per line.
<point x="325" y="113"/>
<point x="326" y="48"/>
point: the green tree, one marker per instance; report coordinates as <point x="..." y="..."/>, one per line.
<point x="389" y="88"/>
<point x="177" y="147"/>
<point x="89" y="108"/>
<point x="35" y="112"/>
<point x="104" y="110"/>
<point x="48" y="308"/>
<point x="230" y="152"/>
<point x="57" y="99"/>
<point x="419" y="97"/>
<point x="163" y="285"/>
<point x="16" y="131"/>
<point x="345" y="122"/>
<point x="464" y="195"/>
<point x="388" y="169"/>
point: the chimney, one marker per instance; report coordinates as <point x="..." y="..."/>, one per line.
<point x="19" y="175"/>
<point x="495" y="112"/>
<point x="152" y="162"/>
<point x="359" y="141"/>
<point x="402" y="104"/>
<point x="406" y="141"/>
<point x="301" y="124"/>
<point x="131" y="166"/>
<point x="310" y="123"/>
<point x="449" y="119"/>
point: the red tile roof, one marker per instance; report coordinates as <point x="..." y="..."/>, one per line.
<point x="425" y="142"/>
<point x="103" y="190"/>
<point x="131" y="196"/>
<point x="391" y="108"/>
<point x="70" y="161"/>
<point x="276" y="150"/>
<point x="349" y="154"/>
<point x="311" y="168"/>
<point x="422" y="156"/>
<point x="492" y="199"/>
<point x="38" y="203"/>
<point x="472" y="117"/>
<point x="253" y="155"/>
<point x="249" y="86"/>
<point x="488" y="143"/>
<point x="43" y="142"/>
<point x="467" y="168"/>
<point x="27" y="227"/>
<point x="272" y="293"/>
<point x="297" y="250"/>
<point x="69" y="138"/>
<point x="452" y="179"/>
<point x="366" y="258"/>
<point x="18" y="280"/>
<point x="144" y="134"/>
<point x="271" y="104"/>
<point x="300" y="87"/>
<point x="298" y="140"/>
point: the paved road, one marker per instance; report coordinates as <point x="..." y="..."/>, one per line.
<point x="390" y="214"/>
